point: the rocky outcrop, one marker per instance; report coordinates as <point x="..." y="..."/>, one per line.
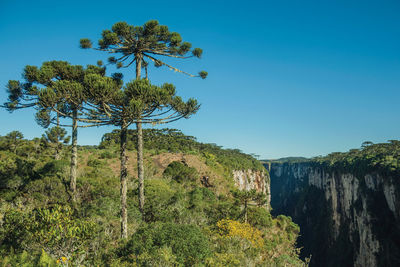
<point x="253" y="179"/>
<point x="345" y="218"/>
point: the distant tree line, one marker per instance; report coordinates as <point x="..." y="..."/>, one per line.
<point x="384" y="157"/>
<point x="173" y="140"/>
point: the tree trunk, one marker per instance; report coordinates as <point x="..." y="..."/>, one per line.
<point x="140" y="146"/>
<point x="140" y="166"/>
<point x="245" y="211"/>
<point x="57" y="154"/>
<point x="138" y="66"/>
<point x="124" y="174"/>
<point x="74" y="154"/>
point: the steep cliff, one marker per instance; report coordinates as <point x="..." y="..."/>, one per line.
<point x="346" y="217"/>
<point x="253" y="179"/>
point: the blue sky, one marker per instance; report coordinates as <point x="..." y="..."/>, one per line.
<point x="286" y="78"/>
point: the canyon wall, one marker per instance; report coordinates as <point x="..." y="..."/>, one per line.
<point x="253" y="179"/>
<point x="345" y="218"/>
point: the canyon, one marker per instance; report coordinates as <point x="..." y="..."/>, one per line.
<point x="346" y="218"/>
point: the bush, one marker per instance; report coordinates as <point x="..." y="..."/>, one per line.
<point x="259" y="217"/>
<point x="15" y="171"/>
<point x="200" y="196"/>
<point x="55" y="230"/>
<point x="106" y="155"/>
<point x="159" y="197"/>
<point x="231" y="228"/>
<point x="26" y="259"/>
<point x="187" y="243"/>
<point x="180" y="172"/>
<point x="95" y="163"/>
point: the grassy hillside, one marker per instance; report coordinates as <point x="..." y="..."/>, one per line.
<point x="184" y="223"/>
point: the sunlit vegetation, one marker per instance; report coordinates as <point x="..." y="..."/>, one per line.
<point x="174" y="141"/>
<point x="183" y="223"/>
<point x="384" y="157"/>
<point x="63" y="205"/>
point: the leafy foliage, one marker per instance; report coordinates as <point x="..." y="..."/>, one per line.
<point x="56" y="231"/>
<point x="179" y="226"/>
<point x="54" y="138"/>
<point x="384" y="157"/>
<point x="142" y="44"/>
<point x="180" y="172"/>
<point x="231" y="228"/>
<point x="173" y="140"/>
<point x="187" y="243"/>
<point x="26" y="259"/>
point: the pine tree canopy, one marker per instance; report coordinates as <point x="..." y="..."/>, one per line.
<point x="138" y="100"/>
<point x="55" y="136"/>
<point x="55" y="87"/>
<point x="141" y="43"/>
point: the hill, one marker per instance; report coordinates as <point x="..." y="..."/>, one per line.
<point x="194" y="213"/>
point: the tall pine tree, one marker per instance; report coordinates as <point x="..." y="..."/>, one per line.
<point x="137" y="100"/>
<point x="138" y="45"/>
<point x="54" y="89"/>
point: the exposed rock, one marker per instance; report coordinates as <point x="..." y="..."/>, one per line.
<point x="354" y="207"/>
<point x="253" y="179"/>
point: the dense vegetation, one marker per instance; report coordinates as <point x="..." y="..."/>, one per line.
<point x="171" y="215"/>
<point x="87" y="97"/>
<point x="173" y="140"/>
<point x="184" y="223"/>
<point x="383" y="157"/>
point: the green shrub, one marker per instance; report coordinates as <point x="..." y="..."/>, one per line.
<point x="54" y="167"/>
<point x="259" y="217"/>
<point x="159" y="198"/>
<point x="55" y="230"/>
<point x="26" y="259"/>
<point x="188" y="244"/>
<point x="95" y="163"/>
<point x="106" y="155"/>
<point x="180" y="172"/>
<point x="201" y="194"/>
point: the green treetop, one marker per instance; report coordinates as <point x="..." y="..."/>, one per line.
<point x="141" y="44"/>
<point x="54" y="138"/>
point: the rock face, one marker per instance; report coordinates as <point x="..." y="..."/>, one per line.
<point x="253" y="179"/>
<point x="345" y="219"/>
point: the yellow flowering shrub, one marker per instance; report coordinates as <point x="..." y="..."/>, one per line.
<point x="231" y="228"/>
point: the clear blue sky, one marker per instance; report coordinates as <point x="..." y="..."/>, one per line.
<point x="286" y="78"/>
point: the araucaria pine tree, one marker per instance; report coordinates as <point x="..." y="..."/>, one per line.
<point x="139" y="45"/>
<point x="55" y="138"/>
<point x="56" y="88"/>
<point x="137" y="100"/>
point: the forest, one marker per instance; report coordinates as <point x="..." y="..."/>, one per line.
<point x="139" y="198"/>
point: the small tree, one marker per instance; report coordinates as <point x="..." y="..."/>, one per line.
<point x="13" y="139"/>
<point x="244" y="197"/>
<point x="139" y="45"/>
<point x="261" y="199"/>
<point x="366" y="144"/>
<point x="54" y="138"/>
